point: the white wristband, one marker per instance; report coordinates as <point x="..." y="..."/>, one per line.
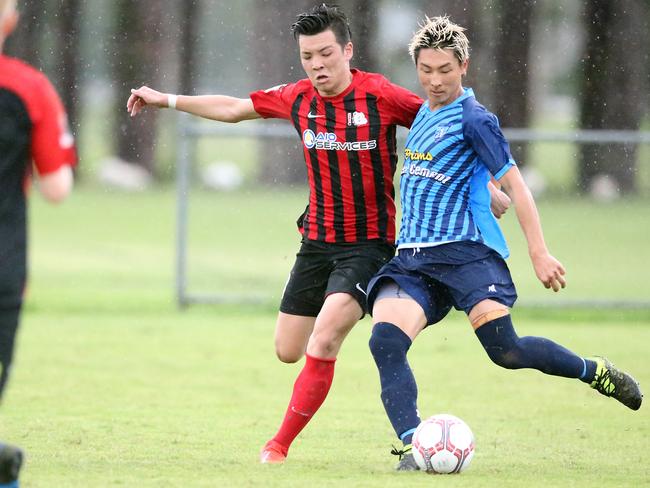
<point x="171" y="101"/>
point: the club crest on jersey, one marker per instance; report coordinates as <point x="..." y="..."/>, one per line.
<point x="440" y="132"/>
<point x="329" y="141"/>
<point x="357" y="119"/>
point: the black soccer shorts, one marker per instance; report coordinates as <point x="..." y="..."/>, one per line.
<point x="322" y="269"/>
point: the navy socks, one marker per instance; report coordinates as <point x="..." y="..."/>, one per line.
<point x="506" y="349"/>
<point x="399" y="392"/>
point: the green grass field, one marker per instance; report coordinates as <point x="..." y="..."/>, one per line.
<point x="113" y="386"/>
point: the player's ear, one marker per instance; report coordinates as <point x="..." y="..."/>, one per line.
<point x="463" y="67"/>
<point x="348" y="51"/>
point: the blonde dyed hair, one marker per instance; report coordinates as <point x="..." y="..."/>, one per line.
<point x="440" y="33"/>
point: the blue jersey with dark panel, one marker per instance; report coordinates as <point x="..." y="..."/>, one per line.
<point x="448" y="158"/>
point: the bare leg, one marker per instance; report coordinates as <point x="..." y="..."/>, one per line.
<point x="291" y="335"/>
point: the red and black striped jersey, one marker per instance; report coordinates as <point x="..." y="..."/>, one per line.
<point x="350" y="151"/>
<point x="33" y="127"/>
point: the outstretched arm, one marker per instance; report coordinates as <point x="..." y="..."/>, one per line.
<point x="548" y="269"/>
<point x="215" y="107"/>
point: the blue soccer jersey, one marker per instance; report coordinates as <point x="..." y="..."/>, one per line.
<point x="448" y="158"/>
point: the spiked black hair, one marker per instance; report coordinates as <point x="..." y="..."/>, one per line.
<point x="321" y="18"/>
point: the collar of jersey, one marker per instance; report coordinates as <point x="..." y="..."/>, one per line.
<point x="467" y="93"/>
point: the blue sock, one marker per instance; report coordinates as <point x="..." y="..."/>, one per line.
<point x="508" y="350"/>
<point x="399" y="392"/>
<point x="589" y="371"/>
<point x="13" y="484"/>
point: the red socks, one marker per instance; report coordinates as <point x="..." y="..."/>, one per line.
<point x="309" y="393"/>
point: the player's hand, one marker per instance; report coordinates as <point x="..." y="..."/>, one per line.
<point x="499" y="202"/>
<point x="549" y="271"/>
<point x="144" y="96"/>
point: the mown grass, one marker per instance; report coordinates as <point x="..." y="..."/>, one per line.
<point x="114" y="386"/>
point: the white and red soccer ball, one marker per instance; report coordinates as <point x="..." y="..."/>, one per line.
<point x="443" y="444"/>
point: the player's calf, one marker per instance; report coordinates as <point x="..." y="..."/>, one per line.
<point x="508" y="350"/>
<point x="389" y="345"/>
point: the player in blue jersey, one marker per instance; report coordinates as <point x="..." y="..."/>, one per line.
<point x="451" y="252"/>
<point x="348" y="230"/>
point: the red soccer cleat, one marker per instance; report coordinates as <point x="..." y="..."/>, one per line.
<point x="273" y="453"/>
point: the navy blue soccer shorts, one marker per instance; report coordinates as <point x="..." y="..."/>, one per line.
<point x="457" y="274"/>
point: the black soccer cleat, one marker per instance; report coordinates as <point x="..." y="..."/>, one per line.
<point x="612" y="382"/>
<point x="11" y="459"/>
<point x="406" y="459"/>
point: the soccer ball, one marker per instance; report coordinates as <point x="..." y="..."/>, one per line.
<point x="443" y="444"/>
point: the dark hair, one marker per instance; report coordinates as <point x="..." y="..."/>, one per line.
<point x="321" y="18"/>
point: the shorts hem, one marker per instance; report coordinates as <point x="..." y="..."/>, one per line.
<point x="300" y="312"/>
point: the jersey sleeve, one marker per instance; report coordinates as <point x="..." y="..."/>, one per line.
<point x="273" y="102"/>
<point x="52" y="143"/>
<point x="481" y="130"/>
<point x="401" y="104"/>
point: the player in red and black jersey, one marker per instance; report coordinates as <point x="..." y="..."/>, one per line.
<point x="349" y="147"/>
<point x="346" y="120"/>
<point x="33" y="128"/>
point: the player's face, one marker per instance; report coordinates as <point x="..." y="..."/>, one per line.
<point x="326" y="63"/>
<point x="441" y="75"/>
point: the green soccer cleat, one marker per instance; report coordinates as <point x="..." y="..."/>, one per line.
<point x="406" y="459"/>
<point x="613" y="382"/>
<point x="11" y="458"/>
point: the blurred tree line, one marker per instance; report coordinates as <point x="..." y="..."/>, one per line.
<point x="163" y="43"/>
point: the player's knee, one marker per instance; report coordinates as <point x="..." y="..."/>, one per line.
<point x="289" y="351"/>
<point x="324" y="344"/>
<point x="501" y="343"/>
<point x="289" y="358"/>
<point x="478" y="319"/>
<point x="509" y="358"/>
<point x="377" y="345"/>
<point x="388" y="342"/>
<point x="289" y="355"/>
